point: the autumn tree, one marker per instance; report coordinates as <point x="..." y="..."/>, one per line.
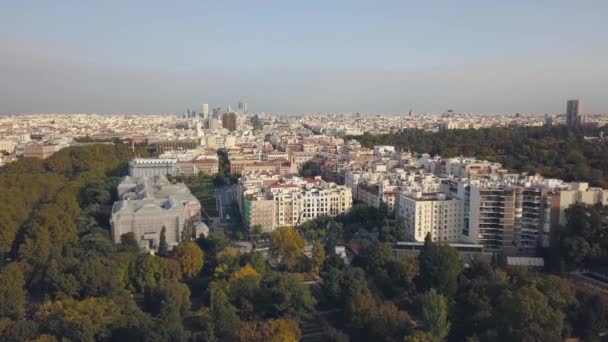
<point x="287" y="244"/>
<point x="190" y="257"/>
<point x="88" y="320"/>
<point x="274" y="330"/>
<point x="244" y="281"/>
<point x="318" y="257"/>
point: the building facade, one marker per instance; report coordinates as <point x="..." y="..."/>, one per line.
<point x="431" y="213"/>
<point x="149" y="204"/>
<point x="150" y="167"/>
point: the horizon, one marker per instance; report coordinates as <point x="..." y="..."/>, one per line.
<point x="345" y="57"/>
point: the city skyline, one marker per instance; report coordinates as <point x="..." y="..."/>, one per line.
<point x="481" y="57"/>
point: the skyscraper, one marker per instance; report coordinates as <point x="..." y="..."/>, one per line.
<point x="242" y="107"/>
<point x="205" y="110"/>
<point x="230" y="121"/>
<point x="574" y="118"/>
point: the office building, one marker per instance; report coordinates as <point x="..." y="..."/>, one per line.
<point x="574" y="117"/>
<point x="205" y="110"/>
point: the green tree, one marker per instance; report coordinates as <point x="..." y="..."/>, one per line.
<point x="17" y="331"/>
<point x="163" y="247"/>
<point x="288" y="244"/>
<point x="147" y="271"/>
<point x="225" y="316"/>
<point x="12" y="291"/>
<point x="435" y="315"/>
<point x="97" y="277"/>
<point x="190" y="257"/>
<point x="591" y="317"/>
<point x="170" y="301"/>
<point x="439" y="266"/>
<point x="127" y="240"/>
<point x="281" y="295"/>
<point x="524" y="314"/>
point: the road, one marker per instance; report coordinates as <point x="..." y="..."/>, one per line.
<point x="225" y="198"/>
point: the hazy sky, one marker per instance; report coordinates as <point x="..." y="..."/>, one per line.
<point x="303" y="56"/>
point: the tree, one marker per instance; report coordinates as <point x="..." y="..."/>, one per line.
<point x="281" y="330"/>
<point x="147" y="271"/>
<point x="288" y="244"/>
<point x="420" y="336"/>
<point x="127" y="240"/>
<point x="435" y="315"/>
<point x="169" y="301"/>
<point x="163" y="247"/>
<point x="190" y="257"/>
<point x="524" y="314"/>
<point x="275" y="330"/>
<point x="17" y="331"/>
<point x="225" y="316"/>
<point x="88" y="320"/>
<point x="331" y="287"/>
<point x="591" y="317"/>
<point x="12" y="291"/>
<point x="318" y="257"/>
<point x="98" y="278"/>
<point x="244" y="281"/>
<point x="281" y="295"/>
<point x="558" y="292"/>
<point x="439" y="266"/>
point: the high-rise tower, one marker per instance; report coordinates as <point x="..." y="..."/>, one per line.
<point x="574" y="118"/>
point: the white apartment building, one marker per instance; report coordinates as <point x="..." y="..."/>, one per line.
<point x="150" y="167"/>
<point x="434" y="213"/>
<point x="294" y="200"/>
<point x="8" y="146"/>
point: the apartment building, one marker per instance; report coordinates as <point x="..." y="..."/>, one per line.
<point x="8" y="146"/>
<point x="273" y="201"/>
<point x="492" y="218"/>
<point x="431" y="213"/>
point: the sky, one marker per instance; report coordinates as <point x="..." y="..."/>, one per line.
<point x="135" y="56"/>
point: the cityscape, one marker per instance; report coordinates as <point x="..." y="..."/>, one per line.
<point x="303" y="189"/>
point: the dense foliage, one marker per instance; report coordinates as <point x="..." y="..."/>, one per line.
<point x="555" y="151"/>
